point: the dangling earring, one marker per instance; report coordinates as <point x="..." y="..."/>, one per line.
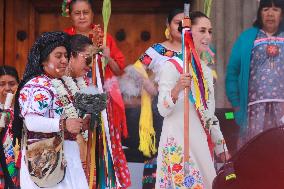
<point x="168" y="34"/>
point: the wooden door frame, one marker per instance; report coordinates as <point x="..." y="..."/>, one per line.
<point x="2" y="21"/>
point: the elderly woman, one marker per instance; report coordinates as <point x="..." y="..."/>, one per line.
<point x="45" y="114"/>
<point x="255" y="73"/>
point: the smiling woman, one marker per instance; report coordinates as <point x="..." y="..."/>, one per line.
<point x="9" y="81"/>
<point x="42" y="117"/>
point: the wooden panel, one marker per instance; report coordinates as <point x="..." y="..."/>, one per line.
<point x="17" y="22"/>
<point x="129" y="6"/>
<point x="133" y="25"/>
<point x="37" y="16"/>
<point x="2" y="32"/>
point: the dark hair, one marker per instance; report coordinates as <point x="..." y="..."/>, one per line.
<point x="39" y="52"/>
<point x="9" y="70"/>
<point x="78" y="43"/>
<point x="267" y="3"/>
<point x="172" y="14"/>
<point x="194" y="15"/>
<point x="90" y="2"/>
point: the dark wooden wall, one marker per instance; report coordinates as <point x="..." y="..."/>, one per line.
<point x="21" y="21"/>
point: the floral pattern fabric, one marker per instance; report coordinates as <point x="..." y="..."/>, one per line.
<point x="170" y="166"/>
<point x="172" y="169"/>
<point x="38" y="97"/>
<point x="266" y="71"/>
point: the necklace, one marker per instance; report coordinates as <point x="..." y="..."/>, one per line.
<point x="272" y="49"/>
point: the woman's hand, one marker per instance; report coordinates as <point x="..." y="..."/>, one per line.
<point x="106" y="52"/>
<point x="224" y="156"/>
<point x="111" y="62"/>
<point x="74" y="125"/>
<point x="183" y="82"/>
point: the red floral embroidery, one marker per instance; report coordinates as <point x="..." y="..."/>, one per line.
<point x="23" y="97"/>
<point x="40" y="97"/>
<point x="146" y="60"/>
<point x="59" y="103"/>
<point x="36" y="80"/>
<point x="177" y="167"/>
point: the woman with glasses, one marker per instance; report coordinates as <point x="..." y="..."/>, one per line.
<point x="82" y="15"/>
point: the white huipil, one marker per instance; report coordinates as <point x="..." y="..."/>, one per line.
<point x="41" y="110"/>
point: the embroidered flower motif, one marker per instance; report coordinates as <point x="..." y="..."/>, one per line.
<point x="178" y="179"/>
<point x="23" y="97"/>
<point x="169" y="53"/>
<point x="198" y="186"/>
<point x="171" y="172"/>
<point x="36" y="80"/>
<point x="59" y="103"/>
<point x="176" y="158"/>
<point x="189" y="181"/>
<point x="146" y="59"/>
<point x="40" y="97"/>
<point x="177" y="167"/>
<point x="46" y="84"/>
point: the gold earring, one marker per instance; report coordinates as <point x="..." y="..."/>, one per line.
<point x="167" y="33"/>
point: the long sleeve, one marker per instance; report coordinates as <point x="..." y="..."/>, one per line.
<point x="115" y="53"/>
<point x="232" y="75"/>
<point x="167" y="80"/>
<point x="211" y="119"/>
<point x="37" y="106"/>
<point x="41" y="124"/>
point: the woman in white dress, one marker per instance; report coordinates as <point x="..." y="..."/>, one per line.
<point x="39" y="107"/>
<point x="170" y="168"/>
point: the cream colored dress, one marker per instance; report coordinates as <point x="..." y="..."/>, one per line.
<point x="170" y="172"/>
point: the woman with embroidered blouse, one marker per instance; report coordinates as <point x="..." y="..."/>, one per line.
<point x="254" y="76"/>
<point x="204" y="132"/>
<point x="43" y="112"/>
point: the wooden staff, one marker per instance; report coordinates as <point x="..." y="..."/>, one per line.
<point x="186" y="61"/>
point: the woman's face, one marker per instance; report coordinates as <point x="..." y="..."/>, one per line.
<point x="271" y="18"/>
<point x="56" y="63"/>
<point x="202" y="34"/>
<point x="8" y="84"/>
<point x="82" y="15"/>
<point x="79" y="64"/>
<point x="175" y="34"/>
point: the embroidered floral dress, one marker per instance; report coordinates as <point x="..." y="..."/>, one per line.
<point x="266" y="87"/>
<point x="39" y="100"/>
<point x="170" y="168"/>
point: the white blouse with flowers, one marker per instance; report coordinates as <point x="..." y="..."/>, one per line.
<point x="41" y="110"/>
